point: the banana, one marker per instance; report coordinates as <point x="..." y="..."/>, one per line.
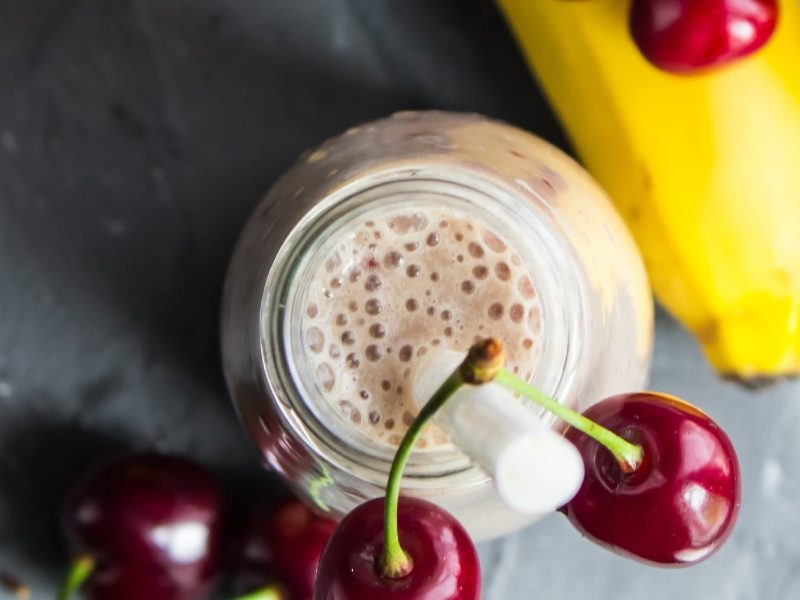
<point x="705" y="169"/>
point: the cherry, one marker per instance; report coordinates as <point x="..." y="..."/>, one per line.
<point x="680" y="504"/>
<point x="282" y="543"/>
<point x="405" y="548"/>
<point x="144" y="526"/>
<point x="444" y="561"/>
<point x="684" y="36"/>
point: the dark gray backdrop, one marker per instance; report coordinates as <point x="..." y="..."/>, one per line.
<point x="135" y="135"/>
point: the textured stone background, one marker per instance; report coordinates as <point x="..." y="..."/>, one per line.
<point x="135" y="135"/>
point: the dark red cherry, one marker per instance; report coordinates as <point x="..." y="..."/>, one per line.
<point x="282" y="543"/>
<point x="445" y="562"/>
<point x="684" y="36"/>
<point x="680" y="505"/>
<point x="152" y="525"/>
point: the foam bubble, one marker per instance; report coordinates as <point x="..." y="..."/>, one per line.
<point x="526" y="287"/>
<point x="392" y="260"/>
<point x="493" y="242"/>
<point x="373" y="353"/>
<point x="475" y="250"/>
<point x="408" y="223"/>
<point x="333" y="262"/>
<point x="325" y="376"/>
<point x="534" y="319"/>
<point x="503" y="271"/>
<point x="373" y="306"/>
<point x="516" y="312"/>
<point x="496" y="311"/>
<point x="315" y="339"/>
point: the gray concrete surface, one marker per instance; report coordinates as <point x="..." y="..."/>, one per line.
<point x="135" y="135"/>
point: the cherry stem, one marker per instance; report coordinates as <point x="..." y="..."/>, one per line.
<point x="627" y="454"/>
<point x="80" y="570"/>
<point x="484" y="360"/>
<point x="269" y="592"/>
<point x="395" y="563"/>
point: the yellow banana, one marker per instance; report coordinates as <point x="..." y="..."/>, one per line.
<point x="705" y="169"/>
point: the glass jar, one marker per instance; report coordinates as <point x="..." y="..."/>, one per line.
<point x="593" y="320"/>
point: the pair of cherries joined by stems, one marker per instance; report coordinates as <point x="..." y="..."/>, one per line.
<point x="661" y="485"/>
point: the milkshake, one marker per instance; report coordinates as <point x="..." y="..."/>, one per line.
<point x="398" y="243"/>
<point x="391" y="287"/>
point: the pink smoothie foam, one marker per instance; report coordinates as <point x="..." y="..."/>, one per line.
<point x="402" y="283"/>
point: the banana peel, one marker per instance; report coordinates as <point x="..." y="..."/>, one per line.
<point x="705" y="169"/>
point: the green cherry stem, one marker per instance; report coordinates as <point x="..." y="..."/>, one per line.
<point x="78" y="573"/>
<point x="482" y="363"/>
<point x="269" y="592"/>
<point x="627" y="454"/>
<point x="395" y="563"/>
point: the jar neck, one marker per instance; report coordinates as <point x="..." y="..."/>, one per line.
<point x="528" y="227"/>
